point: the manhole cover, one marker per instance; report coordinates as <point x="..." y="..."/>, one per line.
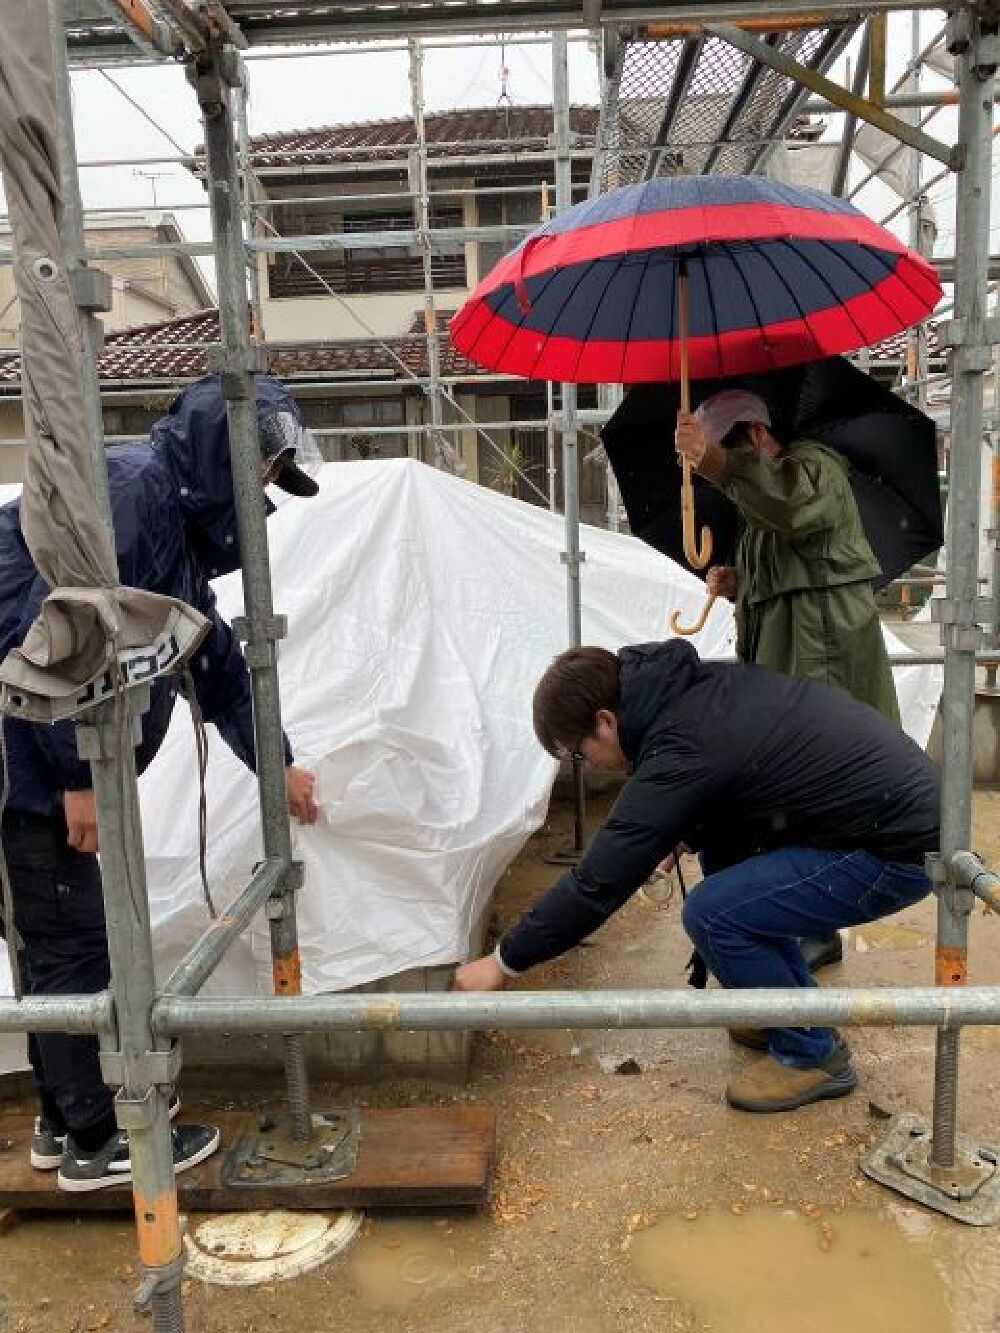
<point x="245" y="1249"/>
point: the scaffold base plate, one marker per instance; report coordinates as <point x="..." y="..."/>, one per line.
<point x="407" y="1157"/>
<point x="968" y="1192"/>
<point x="267" y="1152"/>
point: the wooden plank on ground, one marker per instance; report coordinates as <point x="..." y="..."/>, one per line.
<point x="410" y="1157"/>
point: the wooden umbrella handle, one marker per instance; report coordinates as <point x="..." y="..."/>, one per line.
<point x="696" y="556"/>
<point x="699" y="624"/>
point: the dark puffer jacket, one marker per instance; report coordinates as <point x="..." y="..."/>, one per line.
<point x="175" y="528"/>
<point x="735" y="760"/>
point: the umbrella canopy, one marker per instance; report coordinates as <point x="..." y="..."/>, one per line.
<point x="890" y="445"/>
<point x="777" y="275"/>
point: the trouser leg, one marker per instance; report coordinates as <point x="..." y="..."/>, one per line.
<point x="747" y="919"/>
<point x="59" y="912"/>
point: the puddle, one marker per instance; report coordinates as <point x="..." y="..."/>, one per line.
<point x="400" y="1262"/>
<point x="781" y="1272"/>
<point x="878" y="935"/>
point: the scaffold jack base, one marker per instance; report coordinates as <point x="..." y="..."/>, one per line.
<point x="968" y="1191"/>
<point x="268" y="1153"/>
<point x="404" y="1157"/>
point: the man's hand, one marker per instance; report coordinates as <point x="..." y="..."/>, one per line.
<point x="689" y="439"/>
<point x="480" y="974"/>
<point x="300" y="787"/>
<point x="81" y="820"/>
<point x="720" y="581"/>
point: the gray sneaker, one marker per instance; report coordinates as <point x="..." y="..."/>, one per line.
<point x="48" y="1145"/>
<point x="82" y="1171"/>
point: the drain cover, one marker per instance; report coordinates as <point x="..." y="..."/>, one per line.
<point x="245" y="1249"/>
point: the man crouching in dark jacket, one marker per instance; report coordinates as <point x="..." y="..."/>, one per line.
<point x="811" y="810"/>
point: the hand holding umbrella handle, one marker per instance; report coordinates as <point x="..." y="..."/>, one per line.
<point x="697" y="557"/>
<point x="699" y="624"/>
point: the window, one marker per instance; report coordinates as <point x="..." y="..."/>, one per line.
<point x="371" y="268"/>
<point x="358" y="414"/>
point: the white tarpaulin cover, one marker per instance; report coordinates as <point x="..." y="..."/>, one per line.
<point x="422" y="609"/>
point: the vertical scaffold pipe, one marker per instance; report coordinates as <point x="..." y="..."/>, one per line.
<point x="142" y="1105"/>
<point x="959" y="612"/>
<point x="215" y="75"/>
<point x="572" y="556"/>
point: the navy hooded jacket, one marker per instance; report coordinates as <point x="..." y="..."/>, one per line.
<point x="733" y="761"/>
<point x="175" y="528"/>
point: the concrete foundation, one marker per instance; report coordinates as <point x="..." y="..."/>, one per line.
<point x="985" y="739"/>
<point x="335" y="1054"/>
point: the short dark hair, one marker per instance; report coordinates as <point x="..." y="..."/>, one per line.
<point x="579" y="683"/>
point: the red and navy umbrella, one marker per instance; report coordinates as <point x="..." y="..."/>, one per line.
<point x="777" y="275"/>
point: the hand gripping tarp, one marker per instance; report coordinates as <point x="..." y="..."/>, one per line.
<point x="92" y="634"/>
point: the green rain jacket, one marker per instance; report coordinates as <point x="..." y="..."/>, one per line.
<point x="804" y="600"/>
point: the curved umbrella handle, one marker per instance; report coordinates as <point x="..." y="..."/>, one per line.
<point x="696" y="556"/>
<point x="699" y="624"/>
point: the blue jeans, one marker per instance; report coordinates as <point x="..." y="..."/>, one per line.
<point x="746" y="920"/>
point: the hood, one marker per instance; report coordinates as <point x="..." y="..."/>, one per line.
<point x="192" y="441"/>
<point x="653" y="675"/>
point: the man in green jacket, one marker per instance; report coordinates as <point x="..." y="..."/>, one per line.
<point x="802" y="582"/>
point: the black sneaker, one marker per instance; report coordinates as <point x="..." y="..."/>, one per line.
<point x="48" y="1145"/>
<point x="81" y="1171"/>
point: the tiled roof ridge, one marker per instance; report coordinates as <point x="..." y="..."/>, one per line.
<point x="341" y="126"/>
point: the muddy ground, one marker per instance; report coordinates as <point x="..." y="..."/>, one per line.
<point x="623" y="1202"/>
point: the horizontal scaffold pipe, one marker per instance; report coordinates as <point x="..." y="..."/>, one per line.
<point x="58" y="1013"/>
<point x="969" y="871"/>
<point x="920" y="1006"/>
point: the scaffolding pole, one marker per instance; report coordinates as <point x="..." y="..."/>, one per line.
<point x="444" y="453"/>
<point x="917" y="1006"/>
<point x="960" y="613"/>
<point x="241" y="106"/>
<point x="134" y="1060"/>
<point x="215" y="76"/>
<point x="572" y="557"/>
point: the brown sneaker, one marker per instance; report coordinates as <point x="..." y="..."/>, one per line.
<point x="754" y="1039"/>
<point x="769" y="1085"/>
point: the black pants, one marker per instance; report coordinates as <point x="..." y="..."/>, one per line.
<point x="59" y="912"/>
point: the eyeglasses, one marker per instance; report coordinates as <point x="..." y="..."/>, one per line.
<point x="573" y="756"/>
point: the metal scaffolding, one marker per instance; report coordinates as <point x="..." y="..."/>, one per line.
<point x="138" y="1023"/>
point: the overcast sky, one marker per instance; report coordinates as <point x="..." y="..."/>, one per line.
<point x="321" y="89"/>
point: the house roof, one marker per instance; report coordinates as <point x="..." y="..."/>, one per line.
<point x="481" y="130"/>
<point x="176" y="349"/>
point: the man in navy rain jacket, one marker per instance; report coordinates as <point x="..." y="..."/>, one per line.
<point x="175" y="528"/>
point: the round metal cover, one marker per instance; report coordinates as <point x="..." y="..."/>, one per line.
<point x="247" y="1249"/>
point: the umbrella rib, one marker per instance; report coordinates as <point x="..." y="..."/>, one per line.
<point x="597" y="305"/>
<point x="647" y="261"/>
<point x="890" y="271"/>
<point x="820" y="353"/>
<point x="750" y="296"/>
<point x="513" y="329"/>
<point x="836" y="299"/>
<point x="714" y="316"/>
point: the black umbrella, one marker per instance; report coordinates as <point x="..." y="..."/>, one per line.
<point x="890" y="445"/>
